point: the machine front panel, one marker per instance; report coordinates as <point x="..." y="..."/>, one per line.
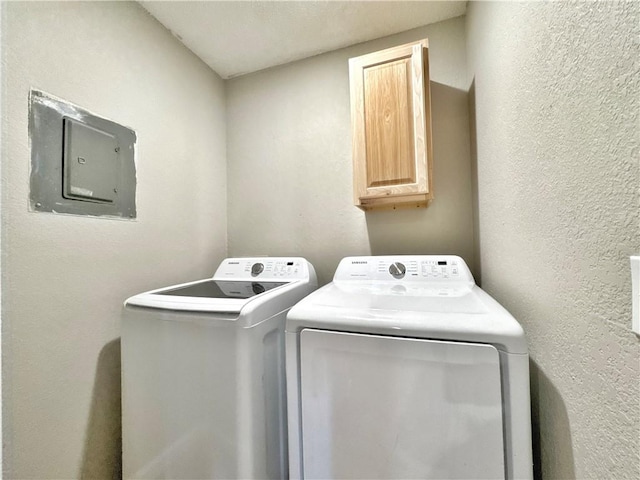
<point x="202" y="399"/>
<point x="383" y="407"/>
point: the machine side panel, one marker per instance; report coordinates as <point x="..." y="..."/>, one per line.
<point x="517" y="416"/>
<point x="390" y="407"/>
<point x="293" y="405"/>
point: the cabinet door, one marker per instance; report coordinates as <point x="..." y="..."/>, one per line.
<point x="391" y="126"/>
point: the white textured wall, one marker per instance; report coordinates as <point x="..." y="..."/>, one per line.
<point x="1" y="236"/>
<point x="289" y="161"/>
<point x="557" y="99"/>
<point x="65" y="277"/>
<point x="1" y="240"/>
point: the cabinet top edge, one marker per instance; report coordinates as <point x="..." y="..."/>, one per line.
<point x="406" y="46"/>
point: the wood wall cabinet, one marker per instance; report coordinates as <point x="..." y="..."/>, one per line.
<point x="391" y="127"/>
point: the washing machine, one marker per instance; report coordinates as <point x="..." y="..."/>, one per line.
<point x="403" y="367"/>
<point x="203" y="378"/>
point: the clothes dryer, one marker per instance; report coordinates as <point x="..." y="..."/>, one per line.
<point x="203" y="379"/>
<point x="403" y="367"/>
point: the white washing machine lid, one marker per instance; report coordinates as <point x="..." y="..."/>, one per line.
<point x="420" y="304"/>
<point x="240" y="285"/>
<point x="206" y="295"/>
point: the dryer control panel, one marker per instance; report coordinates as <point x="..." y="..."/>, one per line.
<point x="282" y="269"/>
<point x="404" y="268"/>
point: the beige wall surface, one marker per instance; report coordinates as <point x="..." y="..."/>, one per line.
<point x="64" y="277"/>
<point x="553" y="163"/>
<point x="289" y="161"/>
<point x="557" y="99"/>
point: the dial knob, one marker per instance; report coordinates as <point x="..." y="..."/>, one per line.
<point x="256" y="269"/>
<point x="397" y="270"/>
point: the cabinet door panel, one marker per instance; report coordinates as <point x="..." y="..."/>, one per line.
<point x="388" y="124"/>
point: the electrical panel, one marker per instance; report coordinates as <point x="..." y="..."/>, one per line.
<point x="81" y="163"/>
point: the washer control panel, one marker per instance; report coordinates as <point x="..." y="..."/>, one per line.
<point x="263" y="268"/>
<point x="404" y="268"/>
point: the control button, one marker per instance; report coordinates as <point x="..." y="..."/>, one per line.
<point x="256" y="269"/>
<point x="257" y="288"/>
<point x="397" y="270"/>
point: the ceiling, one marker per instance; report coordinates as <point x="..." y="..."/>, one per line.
<point x="239" y="37"/>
